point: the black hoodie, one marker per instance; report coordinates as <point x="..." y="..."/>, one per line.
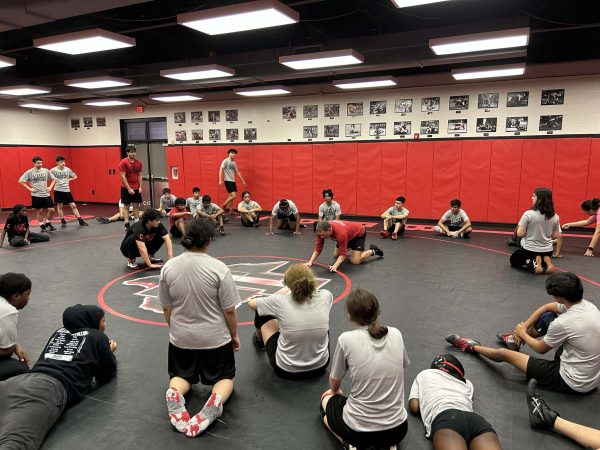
<point x="78" y="352"/>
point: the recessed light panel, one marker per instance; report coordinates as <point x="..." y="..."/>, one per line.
<point x="322" y="59"/>
<point x="489" y="72"/>
<point x="89" y="41"/>
<point x="24" y="89"/>
<point x="518" y="37"/>
<point x="198" y="72"/>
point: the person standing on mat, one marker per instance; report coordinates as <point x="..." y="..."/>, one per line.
<point x="130" y="170"/>
<point x="284" y="212"/>
<point x="249" y="211"/>
<point x="38" y="178"/>
<point x="144" y="239"/>
<point x="62" y="191"/>
<point x="394" y="219"/>
<point x="211" y="211"/>
<point x="460" y="225"/>
<point x="592" y="209"/>
<point x="199" y="297"/>
<point x="17" y="228"/>
<point x="229" y="168"/>
<point x="15" y="289"/>
<point x="194" y="202"/>
<point x="329" y="209"/>
<point x="348" y="235"/>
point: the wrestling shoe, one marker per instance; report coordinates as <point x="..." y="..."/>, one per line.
<point x="131" y="264"/>
<point x="43" y="227"/>
<point x="155" y="260"/>
<point x="256" y="223"/>
<point x="376" y="250"/>
<point x="508" y="339"/>
<point x="221" y="231"/>
<point x="103" y="220"/>
<point x="63" y="223"/>
<point x="540" y="414"/>
<point x="50" y="227"/>
<point x="82" y="223"/>
<point x="303" y="225"/>
<point x="258" y="343"/>
<point x="462" y="343"/>
<point x="178" y="415"/>
<point x="384" y="234"/>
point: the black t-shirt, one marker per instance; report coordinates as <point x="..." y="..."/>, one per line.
<point x="16" y="226"/>
<point x="139" y="232"/>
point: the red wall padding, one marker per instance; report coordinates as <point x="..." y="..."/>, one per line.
<point x="346" y="176"/>
<point x="419" y="178"/>
<point x="192" y="171"/>
<point x="283" y="173"/>
<point x="505" y="176"/>
<point x="393" y="174"/>
<point x="537" y="169"/>
<point x="368" y="197"/>
<point x="571" y="176"/>
<point x="302" y="159"/>
<point x="323" y="168"/>
<point x="175" y="159"/>
<point x="475" y="178"/>
<point x="262" y="187"/>
<point x="446" y="175"/>
<point x="593" y="189"/>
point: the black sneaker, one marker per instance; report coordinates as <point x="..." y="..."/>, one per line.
<point x="221" y="231"/>
<point x="540" y="414"/>
<point x="155" y="260"/>
<point x="256" y="224"/>
<point x="82" y="223"/>
<point x="302" y="225"/>
<point x="258" y="343"/>
<point x="127" y="226"/>
<point x="43" y="227"/>
<point x="63" y="224"/>
<point x="226" y="219"/>
<point x="462" y="343"/>
<point x="50" y="227"/>
<point x="376" y="250"/>
<point x="103" y="220"/>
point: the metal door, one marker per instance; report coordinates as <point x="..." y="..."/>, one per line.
<point x="153" y="156"/>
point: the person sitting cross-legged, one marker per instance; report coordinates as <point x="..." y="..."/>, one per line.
<point x="460" y="225"/>
<point x="394" y="219"/>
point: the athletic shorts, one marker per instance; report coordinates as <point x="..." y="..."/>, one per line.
<point x="41" y="202"/>
<point x="128" y="199"/>
<point x="361" y="439"/>
<point x="271" y="351"/>
<point x="547" y="373"/>
<point x="175" y="231"/>
<point x="208" y="366"/>
<point x="291" y="217"/>
<point x="358" y="243"/>
<point x="63" y="197"/>
<point x="400" y="231"/>
<point x="468" y="424"/>
<point x="230" y="186"/>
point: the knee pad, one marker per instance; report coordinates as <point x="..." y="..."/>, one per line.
<point x="542" y="324"/>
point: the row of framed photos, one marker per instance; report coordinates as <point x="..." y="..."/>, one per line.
<point x="231" y="115"/>
<point x="231" y="134"/>
<point x="88" y="122"/>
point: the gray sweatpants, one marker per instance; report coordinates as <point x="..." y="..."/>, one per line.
<point x="30" y="404"/>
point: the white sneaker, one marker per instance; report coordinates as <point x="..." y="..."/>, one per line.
<point x="132" y="265"/>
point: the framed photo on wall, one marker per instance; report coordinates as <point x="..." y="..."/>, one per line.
<point x="553" y="97"/>
<point x="553" y="122"/>
<point x="429" y="104"/>
<point x="197" y="135"/>
<point x="377" y="107"/>
<point x="377" y="129"/>
<point x="332" y="131"/>
<point x="232" y="134"/>
<point x="214" y="116"/>
<point x="458" y="102"/>
<point x="75" y="123"/>
<point x="310" y="111"/>
<point x="100" y="121"/>
<point x="403" y="105"/>
<point x="516" y="99"/>
<point x="353" y="129"/>
<point x="196" y="116"/>
<point x="214" y="135"/>
<point x="488" y="100"/>
<point x="402" y="128"/>
<point x="486" y="124"/>
<point x="457" y="126"/>
<point x="288" y="112"/>
<point x="354" y="109"/>
<point x="88" y="122"/>
<point x="179" y="117"/>
<point x="310" y="132"/>
<point x="231" y="115"/>
<point x="516" y="123"/>
<point x="180" y="135"/>
<point x="250" y="134"/>
<point x="331" y="109"/>
<point x="430" y="127"/>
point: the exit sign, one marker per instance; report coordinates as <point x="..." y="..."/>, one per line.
<point x="139" y="108"/>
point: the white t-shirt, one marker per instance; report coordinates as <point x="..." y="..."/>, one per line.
<point x="199" y="288"/>
<point x="247" y="206"/>
<point x="577" y="329"/>
<point x="456" y="220"/>
<point x="303" y="342"/>
<point x="437" y="392"/>
<point x="376" y="366"/>
<point x="538" y="237"/>
<point x="395" y="212"/>
<point x="329" y="212"/>
<point x="9" y="317"/>
<point x="290" y="211"/>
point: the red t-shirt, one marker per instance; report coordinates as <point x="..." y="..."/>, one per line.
<point x="131" y="169"/>
<point x="173" y="219"/>
<point x="342" y="232"/>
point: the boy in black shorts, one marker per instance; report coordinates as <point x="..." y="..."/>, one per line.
<point x="177" y="217"/>
<point x="130" y="170"/>
<point x="144" y="239"/>
<point x="229" y="168"/>
<point x="62" y="191"/>
<point x="38" y="178"/>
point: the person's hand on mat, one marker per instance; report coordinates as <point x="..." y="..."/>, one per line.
<point x="154" y="266"/>
<point x="236" y="343"/>
<point x="589" y="252"/>
<point x="332" y="269"/>
<point x="113" y="345"/>
<point x="297" y="233"/>
<point x="21" y="354"/>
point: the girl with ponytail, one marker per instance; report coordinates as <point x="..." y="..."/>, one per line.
<point x="373" y="415"/>
<point x="592" y="209"/>
<point x="293" y="327"/>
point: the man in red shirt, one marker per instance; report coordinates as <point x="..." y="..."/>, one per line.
<point x="349" y="235"/>
<point x="130" y="170"/>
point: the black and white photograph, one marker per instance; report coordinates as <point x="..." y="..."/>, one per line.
<point x="486" y="124"/>
<point x="516" y="123"/>
<point x="331" y="110"/>
<point x="353" y="129"/>
<point x="310" y="111"/>
<point x="377" y="107"/>
<point x="514" y="99"/>
<point x="332" y="131"/>
<point x="288" y="112"/>
<point x="75" y="123"/>
<point x="553" y="97"/>
<point x="197" y="135"/>
<point x="458" y="102"/>
<point x="457" y="126"/>
<point x="232" y="134"/>
<point x="214" y="135"/>
<point x="179" y="117"/>
<point x="100" y="121"/>
<point x="214" y="116"/>
<point x="377" y="129"/>
<point x="430" y="127"/>
<point x="355" y="109"/>
<point x="180" y="135"/>
<point x="88" y="122"/>
<point x="402" y="128"/>
<point x="429" y="104"/>
<point x="548" y="123"/>
<point x="196" y="116"/>
<point x="250" y="134"/>
<point x="310" y="131"/>
<point x="403" y="105"/>
<point x="231" y="115"/>
<point x="488" y="100"/>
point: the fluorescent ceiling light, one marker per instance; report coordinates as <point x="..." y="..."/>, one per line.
<point x="5" y="61"/>
<point x="89" y="41"/>
<point x="176" y="97"/>
<point x="43" y="105"/>
<point x="24" y="89"/>
<point x="409" y="3"/>
<point x="198" y="72"/>
<point x="518" y="37"/>
<point x="322" y="59"/>
<point x="262" y="91"/>
<point x="489" y="72"/>
<point x="362" y="83"/>
<point x="239" y="17"/>
<point x="98" y="82"/>
<point x="106" y="102"/>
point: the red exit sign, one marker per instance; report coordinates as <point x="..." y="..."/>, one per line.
<point x="139" y="109"/>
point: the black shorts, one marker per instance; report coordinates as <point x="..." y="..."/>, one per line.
<point x="207" y="366"/>
<point x="63" y="197"/>
<point x="393" y="225"/>
<point x="41" y="202"/>
<point x="230" y="186"/>
<point x="468" y="424"/>
<point x="175" y="231"/>
<point x="358" y="243"/>
<point x="361" y="439"/>
<point x="291" y="217"/>
<point x="547" y="373"/>
<point x="128" y="199"/>
<point x="271" y="351"/>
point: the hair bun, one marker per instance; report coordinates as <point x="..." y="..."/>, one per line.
<point x="187" y="242"/>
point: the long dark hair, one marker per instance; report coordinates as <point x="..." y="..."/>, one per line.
<point x="589" y="205"/>
<point x="544" y="203"/>
<point x="363" y="308"/>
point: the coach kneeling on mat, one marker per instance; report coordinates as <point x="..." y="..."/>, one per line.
<point x="144" y="238"/>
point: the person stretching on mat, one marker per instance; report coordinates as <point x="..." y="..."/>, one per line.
<point x="460" y="225"/>
<point x="283" y="214"/>
<point x="444" y="398"/>
<point x="17" y="228"/>
<point x="592" y="209"/>
<point x="394" y="219"/>
<point x="249" y="211"/>
<point x="119" y="216"/>
<point x="294" y="327"/>
<point x="375" y="358"/>
<point x="570" y="324"/>
<point x="144" y="239"/>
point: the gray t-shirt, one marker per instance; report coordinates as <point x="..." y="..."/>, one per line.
<point x="376" y="400"/>
<point x="577" y="329"/>
<point x="538" y="235"/>
<point x="9" y="316"/>
<point x="167" y="201"/>
<point x="290" y="211"/>
<point x="210" y="209"/>
<point x="192" y="204"/>
<point x="303" y="342"/>
<point x="456" y="220"/>
<point x="250" y="205"/>
<point x="199" y="288"/>
<point x="229" y="167"/>
<point x="394" y="212"/>
<point x="63" y="177"/>
<point x="38" y="179"/>
<point x="329" y="212"/>
<point x="437" y="392"/>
